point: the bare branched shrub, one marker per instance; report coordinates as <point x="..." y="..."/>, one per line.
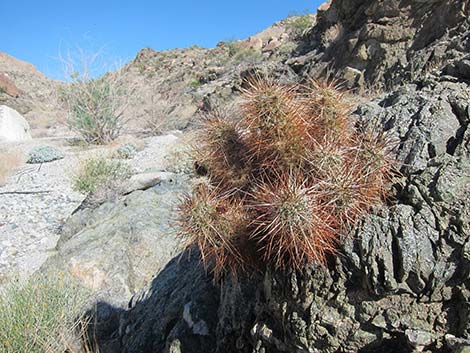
<point x="95" y="106"/>
<point x="156" y="122"/>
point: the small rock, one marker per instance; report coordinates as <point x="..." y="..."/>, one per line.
<point x="353" y="77"/>
<point x="145" y="181"/>
<point x="418" y="339"/>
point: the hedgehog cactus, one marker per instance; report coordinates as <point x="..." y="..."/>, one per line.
<point x="286" y="182"/>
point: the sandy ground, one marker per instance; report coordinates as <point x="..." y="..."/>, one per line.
<point x="38" y="198"/>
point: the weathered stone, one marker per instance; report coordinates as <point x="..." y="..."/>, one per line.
<point x="353" y="77"/>
<point x="145" y="181"/>
<point x="116" y="248"/>
<point x="7" y="86"/>
<point x="13" y="127"/>
<point x="417" y="338"/>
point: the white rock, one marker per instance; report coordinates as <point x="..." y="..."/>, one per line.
<point x="13" y="127"/>
<point x="145" y="181"/>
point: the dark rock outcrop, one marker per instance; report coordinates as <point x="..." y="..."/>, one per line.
<point x="401" y="283"/>
<point x="387" y="42"/>
<point x="177" y="312"/>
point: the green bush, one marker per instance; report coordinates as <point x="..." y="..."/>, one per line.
<point x="44" y="154"/>
<point x="195" y="83"/>
<point x="247" y="55"/>
<point x="96" y="107"/>
<point x="127" y="151"/>
<point x="240" y="54"/>
<point x="232" y="46"/>
<point x="299" y="24"/>
<point x="96" y="173"/>
<point x="41" y="315"/>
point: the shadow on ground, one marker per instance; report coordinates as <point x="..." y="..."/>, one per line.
<point x="176" y="312"/>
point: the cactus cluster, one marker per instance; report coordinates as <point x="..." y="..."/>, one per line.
<point x="287" y="178"/>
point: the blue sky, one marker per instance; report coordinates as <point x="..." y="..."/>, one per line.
<point x="40" y="31"/>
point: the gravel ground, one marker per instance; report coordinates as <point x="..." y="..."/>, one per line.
<point x="29" y="222"/>
<point x="36" y="201"/>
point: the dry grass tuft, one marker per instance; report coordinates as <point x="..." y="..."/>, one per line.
<point x="43" y="314"/>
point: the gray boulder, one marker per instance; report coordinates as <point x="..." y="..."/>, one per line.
<point x="115" y="249"/>
<point x="13" y="127"/>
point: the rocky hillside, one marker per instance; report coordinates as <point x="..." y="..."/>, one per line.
<point x="27" y="90"/>
<point x="165" y="87"/>
<point x="171" y="86"/>
<point x="369" y="46"/>
<point x="383" y="44"/>
<point x="402" y="283"/>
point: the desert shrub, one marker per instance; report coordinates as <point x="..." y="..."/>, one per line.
<point x="44" y="154"/>
<point x="9" y="162"/>
<point x="96" y="106"/>
<point x="240" y="54"/>
<point x="232" y="46"/>
<point x="157" y="117"/>
<point x="299" y="24"/>
<point x="293" y="176"/>
<point x="195" y="83"/>
<point x="180" y="160"/>
<point x="97" y="173"/>
<point x="127" y="151"/>
<point x="40" y="315"/>
<point x="248" y="55"/>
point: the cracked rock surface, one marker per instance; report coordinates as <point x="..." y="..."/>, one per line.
<point x="400" y="284"/>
